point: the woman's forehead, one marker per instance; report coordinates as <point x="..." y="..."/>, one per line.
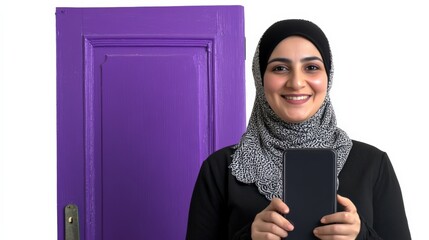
<point x="294" y="45"/>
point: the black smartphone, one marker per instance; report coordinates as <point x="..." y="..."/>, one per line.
<point x="309" y="188"/>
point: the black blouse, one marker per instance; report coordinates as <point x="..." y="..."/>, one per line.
<point x="224" y="208"/>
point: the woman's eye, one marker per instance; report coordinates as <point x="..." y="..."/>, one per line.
<point x="312" y="68"/>
<point x="279" y="69"/>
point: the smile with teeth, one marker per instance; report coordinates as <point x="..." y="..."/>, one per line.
<point x="296" y="98"/>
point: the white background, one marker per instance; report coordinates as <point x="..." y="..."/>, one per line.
<point x="380" y="93"/>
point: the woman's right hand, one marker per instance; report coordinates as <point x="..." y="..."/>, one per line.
<point x="270" y="223"/>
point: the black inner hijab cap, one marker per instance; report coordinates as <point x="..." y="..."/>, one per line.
<point x="293" y="27"/>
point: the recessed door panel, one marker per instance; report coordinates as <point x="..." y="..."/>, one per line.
<point x="152" y="124"/>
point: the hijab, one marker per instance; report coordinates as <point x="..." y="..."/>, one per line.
<point x="258" y="158"/>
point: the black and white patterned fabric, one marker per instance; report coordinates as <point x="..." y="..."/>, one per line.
<point x="258" y="155"/>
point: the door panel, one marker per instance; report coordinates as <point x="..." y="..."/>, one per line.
<point x="151" y="133"/>
<point x="144" y="95"/>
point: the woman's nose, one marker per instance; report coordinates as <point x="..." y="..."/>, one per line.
<point x="296" y="80"/>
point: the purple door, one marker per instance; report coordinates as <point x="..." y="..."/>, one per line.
<point x="144" y="95"/>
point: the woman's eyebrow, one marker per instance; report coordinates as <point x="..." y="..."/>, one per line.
<point x="287" y="60"/>
<point x="284" y="60"/>
<point x="307" y="59"/>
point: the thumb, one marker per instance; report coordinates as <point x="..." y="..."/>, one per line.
<point x="278" y="205"/>
<point x="346" y="203"/>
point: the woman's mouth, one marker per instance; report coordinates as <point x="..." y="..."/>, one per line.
<point x="296" y="99"/>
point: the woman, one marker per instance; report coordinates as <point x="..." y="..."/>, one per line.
<point x="237" y="193"/>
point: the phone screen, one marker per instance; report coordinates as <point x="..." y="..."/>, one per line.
<point x="309" y="188"/>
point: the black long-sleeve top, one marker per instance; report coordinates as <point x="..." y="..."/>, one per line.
<point x="224" y="208"/>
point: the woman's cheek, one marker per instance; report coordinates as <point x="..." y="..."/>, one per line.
<point x="318" y="84"/>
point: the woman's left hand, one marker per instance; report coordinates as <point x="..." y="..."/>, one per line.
<point x="340" y="225"/>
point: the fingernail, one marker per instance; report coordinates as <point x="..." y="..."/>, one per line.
<point x="323" y="220"/>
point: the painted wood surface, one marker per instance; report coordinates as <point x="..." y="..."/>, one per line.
<point x="144" y="95"/>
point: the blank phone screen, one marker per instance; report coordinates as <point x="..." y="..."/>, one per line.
<point x="309" y="188"/>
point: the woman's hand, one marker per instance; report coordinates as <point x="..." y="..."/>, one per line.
<point x="270" y="224"/>
<point x="340" y="225"/>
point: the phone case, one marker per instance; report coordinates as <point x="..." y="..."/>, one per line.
<point x="309" y="188"/>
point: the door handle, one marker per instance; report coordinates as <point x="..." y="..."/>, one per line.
<point x="71" y="222"/>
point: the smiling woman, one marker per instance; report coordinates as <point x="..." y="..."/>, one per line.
<point x="237" y="193"/>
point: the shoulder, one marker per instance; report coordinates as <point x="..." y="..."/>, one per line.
<point x="222" y="153"/>
<point x="366" y="154"/>
<point x="365" y="149"/>
<point x="214" y="171"/>
<point x="364" y="159"/>
<point x="220" y="159"/>
<point x="365" y="162"/>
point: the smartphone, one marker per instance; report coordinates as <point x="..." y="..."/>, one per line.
<point x="309" y="188"/>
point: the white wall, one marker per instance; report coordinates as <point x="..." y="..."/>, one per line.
<point x="380" y="89"/>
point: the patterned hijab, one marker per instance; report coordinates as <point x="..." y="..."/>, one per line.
<point x="258" y="155"/>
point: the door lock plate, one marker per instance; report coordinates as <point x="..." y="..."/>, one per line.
<point x="71" y="222"/>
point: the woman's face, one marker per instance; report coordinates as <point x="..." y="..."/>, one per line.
<point x="295" y="81"/>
